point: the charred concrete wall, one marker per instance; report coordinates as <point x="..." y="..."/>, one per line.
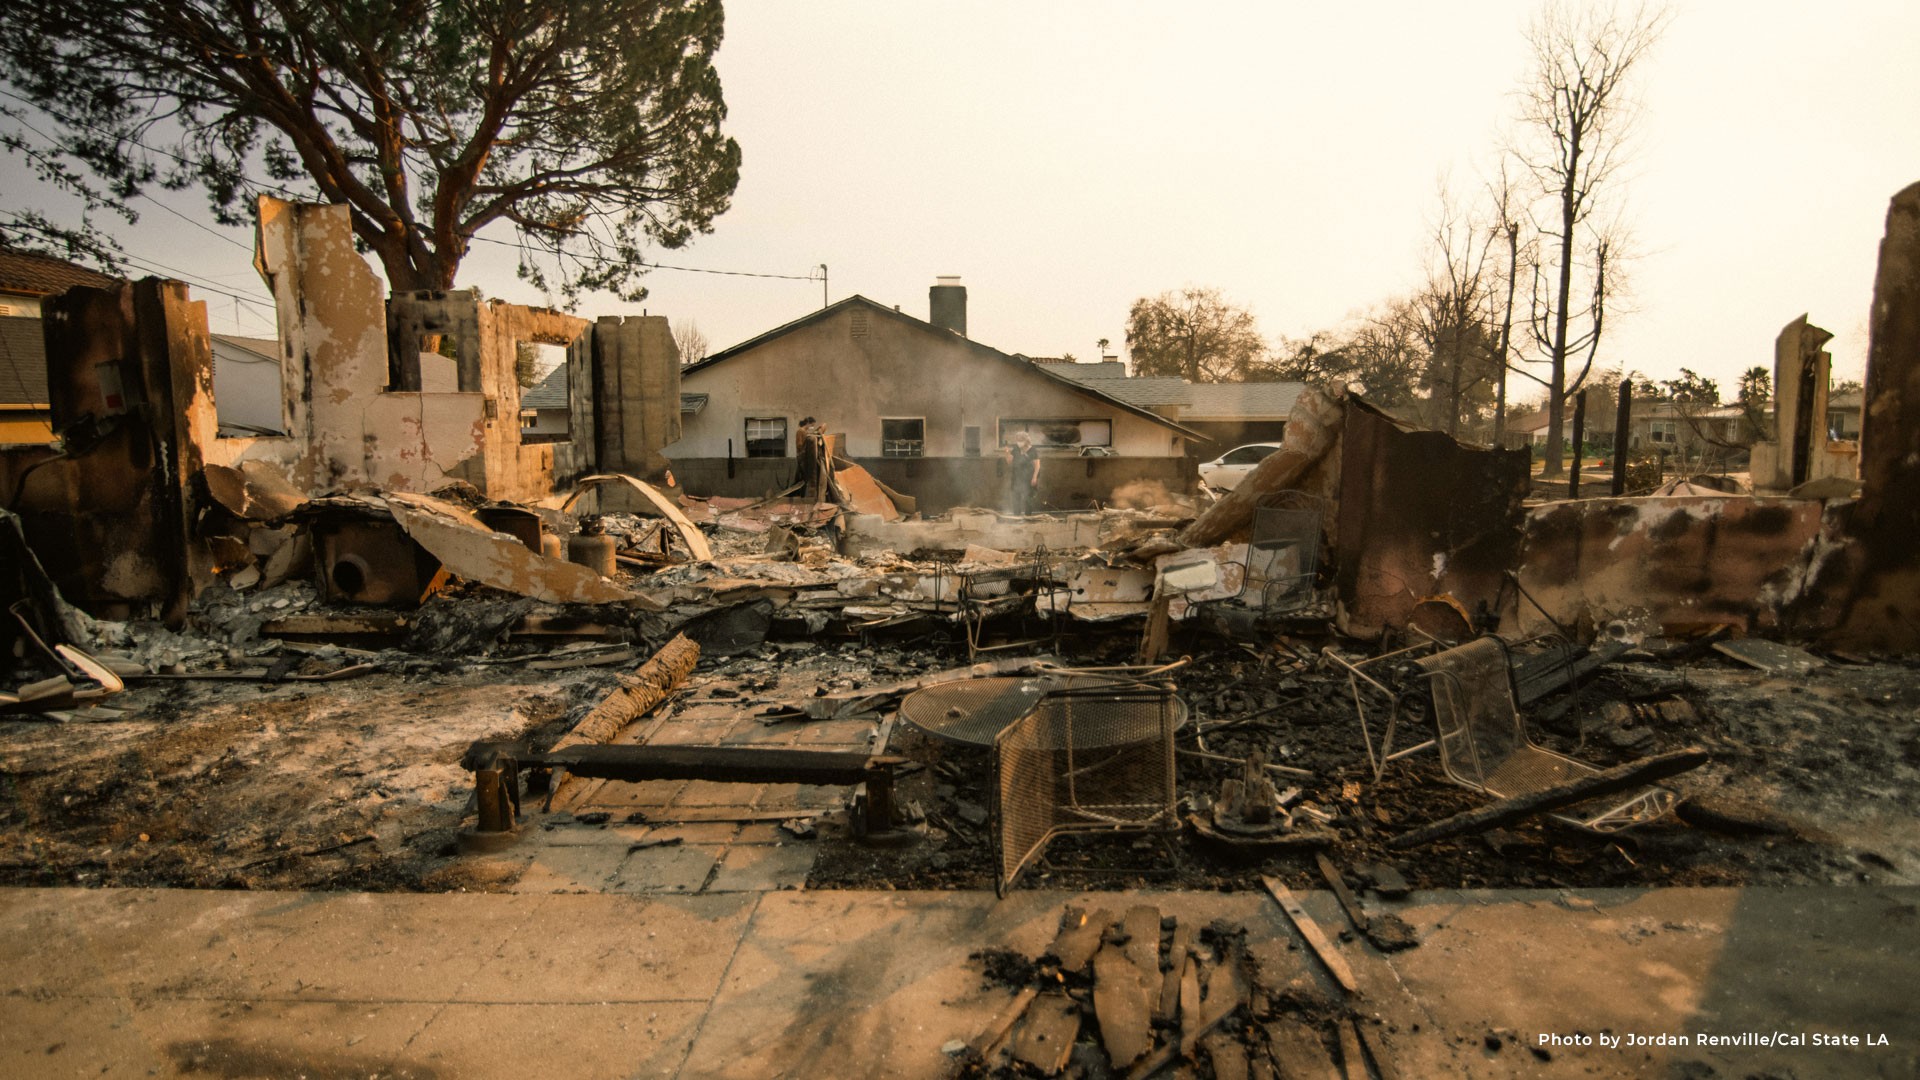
<point x="1883" y="609"/>
<point x="355" y="397"/>
<point x="1671" y="565"/>
<point x="1420" y="515"/>
<point x="635" y="379"/>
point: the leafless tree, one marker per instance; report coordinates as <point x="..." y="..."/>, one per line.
<point x="1452" y="315"/>
<point x="691" y="342"/>
<point x="1576" y="113"/>
<point x="1504" y="232"/>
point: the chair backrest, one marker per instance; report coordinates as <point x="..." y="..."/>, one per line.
<point x="1477" y="721"/>
<point x="1283" y="555"/>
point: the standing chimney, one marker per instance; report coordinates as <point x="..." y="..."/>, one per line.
<point x="947" y="304"/>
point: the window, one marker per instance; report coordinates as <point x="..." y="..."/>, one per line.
<point x="1060" y="434"/>
<point x="1662" y="431"/>
<point x="970" y="441"/>
<point x="906" y="437"/>
<point x="766" y="436"/>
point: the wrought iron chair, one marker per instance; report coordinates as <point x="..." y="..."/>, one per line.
<point x="1484" y="746"/>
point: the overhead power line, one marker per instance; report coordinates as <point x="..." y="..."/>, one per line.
<point x="256" y="186"/>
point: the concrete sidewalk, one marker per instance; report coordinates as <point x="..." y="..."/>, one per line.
<point x="858" y="984"/>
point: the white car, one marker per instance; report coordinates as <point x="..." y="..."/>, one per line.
<point x="1225" y="472"/>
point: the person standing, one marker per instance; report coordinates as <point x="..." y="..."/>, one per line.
<point x="809" y="446"/>
<point x="1023" y="468"/>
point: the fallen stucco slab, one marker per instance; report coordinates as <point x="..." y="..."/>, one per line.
<point x="470" y="550"/>
<point x="254" y="491"/>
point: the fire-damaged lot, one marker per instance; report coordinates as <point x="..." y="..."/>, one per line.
<point x="1375" y="763"/>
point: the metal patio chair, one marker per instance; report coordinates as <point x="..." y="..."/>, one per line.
<point x="1484" y="746"/>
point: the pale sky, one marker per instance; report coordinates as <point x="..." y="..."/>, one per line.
<point x="1066" y="158"/>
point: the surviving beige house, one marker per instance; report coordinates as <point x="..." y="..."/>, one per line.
<point x="920" y="406"/>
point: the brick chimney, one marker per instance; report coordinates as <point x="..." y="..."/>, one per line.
<point x="947" y="304"/>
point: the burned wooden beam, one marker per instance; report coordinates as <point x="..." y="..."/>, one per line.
<point x="1605" y="782"/>
<point x="1348" y="902"/>
<point x="1313" y="429"/>
<point x="637" y="694"/>
<point x="1330" y="957"/>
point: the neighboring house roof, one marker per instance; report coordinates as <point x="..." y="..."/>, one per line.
<point x="549" y="393"/>
<point x="265" y="348"/>
<point x="1242" y="401"/>
<point x="1147" y="391"/>
<point x="43" y="275"/>
<point x="23" y="362"/>
<point x="1852" y="399"/>
<point x="1046" y="371"/>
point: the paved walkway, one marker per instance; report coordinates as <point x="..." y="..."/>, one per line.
<point x="753" y="985"/>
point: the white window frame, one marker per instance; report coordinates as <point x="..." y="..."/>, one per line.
<point x="748" y="439"/>
<point x="903" y="448"/>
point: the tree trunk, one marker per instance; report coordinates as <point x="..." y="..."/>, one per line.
<point x="1557" y="393"/>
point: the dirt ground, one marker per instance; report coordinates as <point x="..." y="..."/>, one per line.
<point x="356" y="784"/>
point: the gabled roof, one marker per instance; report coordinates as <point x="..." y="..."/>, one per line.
<point x="1045" y="371"/>
<point x="23" y="362"/>
<point x="43" y="275"/>
<point x="549" y="393"/>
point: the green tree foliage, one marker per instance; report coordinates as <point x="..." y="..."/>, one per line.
<point x="1691" y="388"/>
<point x="526" y="364"/>
<point x="590" y="128"/>
<point x="1197" y="335"/>
<point x="1756" y="388"/>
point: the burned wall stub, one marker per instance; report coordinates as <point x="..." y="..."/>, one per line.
<point x="359" y="393"/>
<point x="635" y="386"/>
<point x="131" y="395"/>
<point x="1884" y="610"/>
<point x="1798" y="449"/>
<point x="1421" y="515"/>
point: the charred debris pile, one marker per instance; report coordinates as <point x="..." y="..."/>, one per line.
<point x="1200" y="700"/>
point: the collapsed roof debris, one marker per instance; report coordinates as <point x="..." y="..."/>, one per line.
<point x="1377" y="662"/>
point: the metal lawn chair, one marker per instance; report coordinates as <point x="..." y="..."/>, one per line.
<point x="1484" y="746"/>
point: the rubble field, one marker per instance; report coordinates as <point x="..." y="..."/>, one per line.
<point x="357" y="783"/>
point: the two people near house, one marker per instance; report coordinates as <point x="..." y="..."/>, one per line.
<point x="1023" y="470"/>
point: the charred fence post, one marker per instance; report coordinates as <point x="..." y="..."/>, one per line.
<point x="1622" y="418"/>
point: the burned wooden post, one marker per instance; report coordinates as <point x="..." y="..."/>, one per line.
<point x="1579" y="443"/>
<point x="1622" y="420"/>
